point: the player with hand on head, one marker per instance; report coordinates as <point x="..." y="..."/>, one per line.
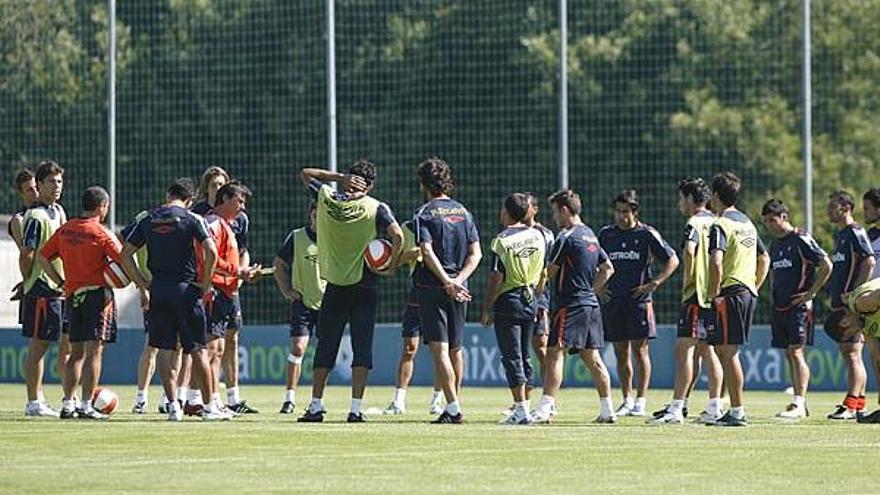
<point x="43" y="317"/>
<point x="511" y="302"/>
<point x="627" y="309"/>
<point x="578" y="269"/>
<point x="799" y="270"/>
<point x="853" y="264"/>
<point x="738" y="265"/>
<point x="450" y="245"/>
<point x="298" y="276"/>
<point x="347" y="221"/>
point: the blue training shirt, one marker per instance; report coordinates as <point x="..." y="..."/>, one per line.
<point x="851" y="246"/>
<point x="632" y="253"/>
<point x="170" y="231"/>
<point x="793" y="261"/>
<point x="578" y="255"/>
<point x="450" y="228"/>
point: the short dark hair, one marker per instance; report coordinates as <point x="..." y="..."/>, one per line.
<point x="230" y="190"/>
<point x="93" y="198"/>
<point x="23" y="176"/>
<point x="47" y="168"/>
<point x="516" y="205"/>
<point x="628" y="197"/>
<point x="182" y="189"/>
<point x="364" y="168"/>
<point x="774" y="207"/>
<point x="436" y="175"/>
<point x="727" y="186"/>
<point x="844" y="198"/>
<point x="873" y="195"/>
<point x="533" y="199"/>
<point x="696" y="189"/>
<point x="568" y="199"/>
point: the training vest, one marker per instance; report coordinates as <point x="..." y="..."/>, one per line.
<point x="522" y="254"/>
<point x="48" y="226"/>
<point x="740" y="264"/>
<point x="698" y="285"/>
<point x="141" y="256"/>
<point x="305" y="273"/>
<point x="872" y="320"/>
<point x="409" y="243"/>
<point x="346" y="228"/>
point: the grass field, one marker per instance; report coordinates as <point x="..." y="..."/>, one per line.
<point x="271" y="453"/>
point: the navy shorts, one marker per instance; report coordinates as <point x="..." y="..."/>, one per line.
<point x="411" y="324"/>
<point x="43" y="317"/>
<point x="302" y="319"/>
<point x="855" y="338"/>
<point x="734" y="312"/>
<point x="224" y="313"/>
<point x="93" y="316"/>
<point x="441" y="318"/>
<point x="177" y="313"/>
<point x="793" y="326"/>
<point x="542" y="323"/>
<point x="694" y="321"/>
<point x="353" y="305"/>
<point x="625" y="320"/>
<point x="577" y="328"/>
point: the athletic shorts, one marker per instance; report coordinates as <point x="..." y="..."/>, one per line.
<point x="177" y="313"/>
<point x="792" y="327"/>
<point x="93" y="316"/>
<point x="352" y="305"/>
<point x="576" y="328"/>
<point x="44" y="317"/>
<point x="734" y="312"/>
<point x="855" y="338"/>
<point x="224" y="313"/>
<point x="694" y="321"/>
<point x="625" y="320"/>
<point x="411" y="324"/>
<point x="542" y="322"/>
<point x="146" y="316"/>
<point x="302" y="319"/>
<point x="441" y="318"/>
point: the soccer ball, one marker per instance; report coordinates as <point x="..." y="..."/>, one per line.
<point x="114" y="276"/>
<point x="105" y="401"/>
<point x="378" y="254"/>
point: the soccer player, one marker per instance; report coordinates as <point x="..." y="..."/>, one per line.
<point x="853" y="260"/>
<point x="411" y="331"/>
<point x="26" y="187"/>
<point x="696" y="316"/>
<point x="177" y="312"/>
<point x="738" y="265"/>
<point x="450" y="245"/>
<point x="628" y="310"/>
<point x="578" y="269"/>
<point x="871" y="210"/>
<point x="542" y="318"/>
<point x="212" y="180"/>
<point x="43" y="314"/>
<point x="518" y="259"/>
<point x="347" y="221"/>
<point x="298" y="276"/>
<point x="84" y="246"/>
<point x="799" y="270"/>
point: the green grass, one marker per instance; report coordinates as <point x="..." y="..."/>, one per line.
<point x="270" y="453"/>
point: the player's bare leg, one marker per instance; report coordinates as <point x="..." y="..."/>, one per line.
<point x="168" y="364"/>
<point x="716" y="385"/>
<point x="215" y="357"/>
<point x="685" y="348"/>
<point x="856" y="380"/>
<point x="539" y="346"/>
<point x="298" y="346"/>
<point x="63" y="356"/>
<point x="203" y="377"/>
<point x="593" y="360"/>
<point x="800" y="378"/>
<point x="146" y="368"/>
<point x="230" y="368"/>
<point x="405" y="366"/>
<point x="553" y="369"/>
<point x="624" y="374"/>
<point x="642" y="352"/>
<point x="91" y="375"/>
<point x="728" y="354"/>
<point x="445" y="374"/>
<point x="457" y="360"/>
<point x="71" y="378"/>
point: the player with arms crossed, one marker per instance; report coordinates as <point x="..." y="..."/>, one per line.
<point x="578" y="268"/>
<point x="518" y="259"/>
<point x="450" y="245"/>
<point x="43" y="314"/>
<point x="738" y="265"/>
<point x="298" y="276"/>
<point x="799" y="270"/>
<point x="853" y="260"/>
<point x="628" y="310"/>
<point x="347" y="222"/>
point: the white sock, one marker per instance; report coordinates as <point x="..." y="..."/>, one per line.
<point x="85" y="405"/>
<point x="400" y="396"/>
<point x="453" y="409"/>
<point x="606" y="406"/>
<point x="68" y="404"/>
<point x="142" y="396"/>
<point x="173" y="406"/>
<point x="232" y="396"/>
<point x="194" y="396"/>
<point x="40" y="396"/>
<point x="356" y="405"/>
<point x="209" y="407"/>
<point x="546" y="403"/>
<point x="800" y="401"/>
<point x="34" y="403"/>
<point x="676" y="407"/>
<point x="164" y="400"/>
<point x="629" y="402"/>
<point x="316" y="405"/>
<point x="521" y="409"/>
<point x="715" y="406"/>
<point x="290" y="396"/>
<point x="738" y="412"/>
<point x="181" y="393"/>
<point x="641" y="403"/>
<point x="437" y="396"/>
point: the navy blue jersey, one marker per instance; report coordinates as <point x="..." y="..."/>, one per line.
<point x="851" y="246"/>
<point x="632" y="252"/>
<point x="793" y="261"/>
<point x="240" y="224"/>
<point x="171" y="231"/>
<point x="544" y="298"/>
<point x="578" y="255"/>
<point x="286" y="251"/>
<point x="449" y="227"/>
<point x="874" y="236"/>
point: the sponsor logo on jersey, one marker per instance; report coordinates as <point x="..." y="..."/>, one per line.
<point x="343" y="211"/>
<point x="625" y="255"/>
<point x="783" y="263"/>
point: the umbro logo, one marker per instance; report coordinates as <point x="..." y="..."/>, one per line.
<point x="748" y="242"/>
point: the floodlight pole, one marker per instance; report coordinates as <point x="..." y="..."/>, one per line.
<point x="331" y="86"/>
<point x="562" y="172"/>
<point x="808" y="118"/>
<point x="111" y="111"/>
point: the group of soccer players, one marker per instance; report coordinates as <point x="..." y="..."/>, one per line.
<point x="562" y="294"/>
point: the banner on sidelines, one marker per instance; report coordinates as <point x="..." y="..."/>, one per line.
<point x="264" y="349"/>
